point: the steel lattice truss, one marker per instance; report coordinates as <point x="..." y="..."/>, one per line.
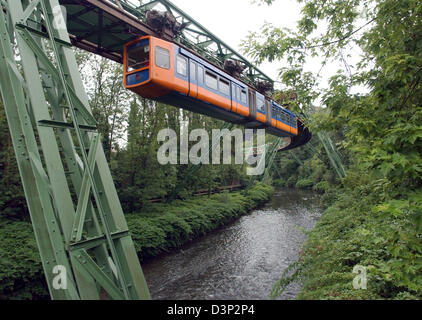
<point x="76" y="214"/>
<point x="104" y="26"/>
<point x="75" y="211"/>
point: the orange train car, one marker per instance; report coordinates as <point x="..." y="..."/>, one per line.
<point x="163" y="71"/>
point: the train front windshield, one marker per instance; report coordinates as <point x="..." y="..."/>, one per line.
<point x="138" y="55"/>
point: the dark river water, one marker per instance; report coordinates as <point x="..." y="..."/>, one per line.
<point x="242" y="260"/>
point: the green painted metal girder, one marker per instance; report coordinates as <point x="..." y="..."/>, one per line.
<point x="43" y="217"/>
<point x="90" y="239"/>
<point x="21" y="26"/>
<point x="148" y="6"/>
<point x="83" y="18"/>
<point x="332" y="154"/>
<point x="205" y="43"/>
<point x="269" y="155"/>
<point x="330" y="149"/>
<point x="65" y="125"/>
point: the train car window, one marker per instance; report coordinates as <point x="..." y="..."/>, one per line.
<point x="292" y="121"/>
<point x="243" y="96"/>
<point x="238" y="93"/>
<point x="181" y="65"/>
<point x="260" y="105"/>
<point x="200" y="74"/>
<point x="162" y="58"/>
<point x="224" y="87"/>
<point x="138" y="56"/>
<point x="192" y="72"/>
<point x="234" y="91"/>
<point x="274" y="115"/>
<point x="211" y="80"/>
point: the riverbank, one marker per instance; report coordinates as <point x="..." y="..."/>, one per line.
<point x="360" y="228"/>
<point x="163" y="227"/>
<point x="241" y="260"/>
<point x="157" y="229"/>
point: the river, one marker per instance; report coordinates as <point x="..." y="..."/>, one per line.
<point x="242" y="260"/>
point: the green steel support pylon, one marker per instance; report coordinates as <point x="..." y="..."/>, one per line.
<point x="270" y="154"/>
<point x="330" y="149"/>
<point x="83" y="238"/>
<point x="332" y="154"/>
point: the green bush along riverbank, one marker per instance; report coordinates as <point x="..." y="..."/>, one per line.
<point x="157" y="229"/>
<point x="361" y="234"/>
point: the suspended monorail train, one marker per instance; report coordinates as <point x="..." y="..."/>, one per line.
<point x="163" y="71"/>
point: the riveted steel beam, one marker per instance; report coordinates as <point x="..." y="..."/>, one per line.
<point x="76" y="215"/>
<point x="132" y="15"/>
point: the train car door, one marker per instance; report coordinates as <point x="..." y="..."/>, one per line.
<point x="260" y="108"/>
<point x="268" y="112"/>
<point x="235" y="98"/>
<point x="252" y="104"/>
<point x="200" y="78"/>
<point x="193" y="79"/>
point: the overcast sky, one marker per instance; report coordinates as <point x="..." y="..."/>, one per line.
<point x="232" y="20"/>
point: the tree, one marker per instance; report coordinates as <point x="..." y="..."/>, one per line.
<point x="108" y="100"/>
<point x="382" y="128"/>
<point x="381" y="131"/>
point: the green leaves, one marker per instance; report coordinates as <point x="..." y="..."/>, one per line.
<point x="385" y="239"/>
<point x="376" y="220"/>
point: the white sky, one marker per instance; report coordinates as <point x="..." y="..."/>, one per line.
<point x="232" y="20"/>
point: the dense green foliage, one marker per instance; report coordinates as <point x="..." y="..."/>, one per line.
<point x="156" y="229"/>
<point x="12" y="199"/>
<point x="308" y="168"/>
<point x="166" y="226"/>
<point x="129" y="126"/>
<point x="21" y="274"/>
<point x="374" y="215"/>
<point x="353" y="231"/>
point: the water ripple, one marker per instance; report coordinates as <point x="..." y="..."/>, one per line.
<point x="239" y="261"/>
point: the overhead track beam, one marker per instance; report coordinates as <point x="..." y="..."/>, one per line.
<point x="131" y="16"/>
